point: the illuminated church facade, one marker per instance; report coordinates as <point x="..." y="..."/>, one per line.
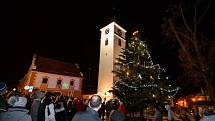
<point x="48" y="74"/>
<point x="111" y="43"/>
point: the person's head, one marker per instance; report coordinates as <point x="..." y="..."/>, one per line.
<point x="48" y="99"/>
<point x="3" y="88"/>
<point x="114" y="104"/>
<point x="17" y="101"/>
<point x="167" y="107"/>
<point x="95" y="102"/>
<point x="157" y="108"/>
<point x="38" y="95"/>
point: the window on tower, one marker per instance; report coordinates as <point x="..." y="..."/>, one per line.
<point x="106" y="42"/>
<point x="119" y="42"/>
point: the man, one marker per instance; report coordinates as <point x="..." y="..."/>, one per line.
<point x="115" y="114"/>
<point x="3" y="102"/>
<point x="36" y="104"/>
<point x="170" y="113"/>
<point x="158" y="114"/>
<point x="17" y="110"/>
<point x="209" y="115"/>
<point x="91" y="114"/>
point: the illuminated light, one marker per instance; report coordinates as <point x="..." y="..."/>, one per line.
<point x="140" y="76"/>
<point x="127" y="73"/>
<point x="182" y="103"/>
<point x="30" y="88"/>
<point x="134" y="33"/>
<point x="14" y="89"/>
<point x="193" y="99"/>
<point x="153" y="95"/>
<point x="65" y="85"/>
<point x="151" y="78"/>
<point x="26" y="87"/>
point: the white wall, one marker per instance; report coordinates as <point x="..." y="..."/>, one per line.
<point x="52" y="80"/>
<point x="108" y="53"/>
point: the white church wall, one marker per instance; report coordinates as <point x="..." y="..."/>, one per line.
<point x="52" y="80"/>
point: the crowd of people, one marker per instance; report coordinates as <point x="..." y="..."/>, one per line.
<point x="52" y="106"/>
<point x="49" y="106"/>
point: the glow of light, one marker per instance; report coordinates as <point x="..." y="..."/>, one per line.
<point x="14" y="89"/>
<point x="127" y="73"/>
<point x="134" y="33"/>
<point x="26" y="87"/>
<point x="30" y="88"/>
<point x="65" y="85"/>
<point x="140" y="76"/>
<point x="193" y="99"/>
<point x="151" y="78"/>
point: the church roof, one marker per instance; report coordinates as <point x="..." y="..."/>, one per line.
<point x="48" y="65"/>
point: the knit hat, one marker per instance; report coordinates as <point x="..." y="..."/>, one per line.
<point x="39" y="94"/>
<point x="3" y="87"/>
<point x="16" y="101"/>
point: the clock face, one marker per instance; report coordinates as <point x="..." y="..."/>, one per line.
<point x="107" y="31"/>
<point x="119" y="32"/>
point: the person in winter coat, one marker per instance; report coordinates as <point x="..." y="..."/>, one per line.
<point x="122" y="108"/>
<point x="17" y="110"/>
<point x="46" y="110"/>
<point x="91" y="113"/>
<point x="115" y="114"/>
<point x="71" y="109"/>
<point x="170" y="113"/>
<point x="209" y="115"/>
<point x="36" y="103"/>
<point x="158" y="116"/>
<point x="102" y="110"/>
<point x="60" y="111"/>
<point x="3" y="102"/>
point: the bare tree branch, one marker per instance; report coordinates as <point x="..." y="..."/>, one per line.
<point x="184" y="20"/>
<point x="204" y="12"/>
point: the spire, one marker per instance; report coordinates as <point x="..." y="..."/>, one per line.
<point x="113" y="14"/>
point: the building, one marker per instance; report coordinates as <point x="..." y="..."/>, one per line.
<point x="48" y="74"/>
<point x="111" y="43"/>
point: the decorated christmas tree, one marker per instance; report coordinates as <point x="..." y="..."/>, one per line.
<point x="139" y="82"/>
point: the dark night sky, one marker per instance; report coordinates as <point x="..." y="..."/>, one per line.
<point x="70" y="31"/>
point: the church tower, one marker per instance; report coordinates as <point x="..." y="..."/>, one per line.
<point x="111" y="43"/>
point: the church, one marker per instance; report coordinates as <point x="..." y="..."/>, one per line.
<point x="113" y="40"/>
<point x="48" y="74"/>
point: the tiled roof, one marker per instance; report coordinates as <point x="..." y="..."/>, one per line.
<point x="48" y="65"/>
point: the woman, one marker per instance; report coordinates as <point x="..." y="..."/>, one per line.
<point x="158" y="116"/>
<point x="46" y="109"/>
<point x="17" y="110"/>
<point x="115" y="114"/>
